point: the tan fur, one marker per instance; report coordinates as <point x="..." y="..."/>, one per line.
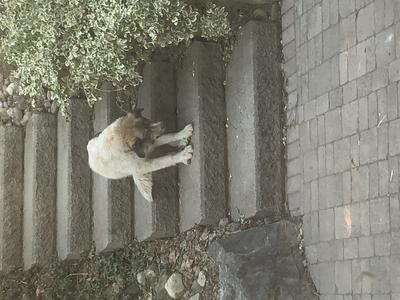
<point x="124" y="147"/>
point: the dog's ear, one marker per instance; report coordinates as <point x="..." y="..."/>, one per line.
<point x="139" y="148"/>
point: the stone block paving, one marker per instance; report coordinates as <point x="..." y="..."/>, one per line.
<point x="344" y="141"/>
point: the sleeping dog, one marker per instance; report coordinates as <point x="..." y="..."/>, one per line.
<point x="122" y="149"/>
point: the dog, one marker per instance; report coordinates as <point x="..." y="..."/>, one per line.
<point x="123" y="148"/>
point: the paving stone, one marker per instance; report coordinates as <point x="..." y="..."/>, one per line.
<point x="334" y="11"/>
<point x="380" y="267"/>
<point x="11" y="197"/>
<point x="393" y="175"/>
<point x="392" y="101"/>
<point x="380" y="78"/>
<point x="382" y="243"/>
<point x="365" y="28"/>
<point x="363" y="113"/>
<point x="322" y="103"/>
<point x="74" y="220"/>
<point x="395" y="273"/>
<point x="379" y="8"/>
<point x="330" y="251"/>
<point x="355" y="150"/>
<point x="330" y="189"/>
<point x="372" y="110"/>
<point x="390" y="11"/>
<point x="385" y="47"/>
<point x="321" y="161"/>
<point x="288" y="18"/>
<point x="366" y="246"/>
<point x="343" y="276"/>
<point x="201" y="102"/>
<point x="394" y="213"/>
<point x="288" y="35"/>
<point x="252" y="67"/>
<point x="302" y="59"/>
<point x="342" y="158"/>
<point x="373" y="180"/>
<point x="364" y="85"/>
<point x="365" y="227"/>
<point x="383" y="178"/>
<point x="346" y="7"/>
<point x="39" y="223"/>
<point x="350" y="91"/>
<point x="327" y="225"/>
<point x="335" y="98"/>
<point x="368" y="146"/>
<point x="158" y="95"/>
<point x="321" y="130"/>
<point x="383" y="143"/>
<point x="314" y="21"/>
<point x="333" y="125"/>
<point x="327" y="274"/>
<point x="350" y="118"/>
<point x="350" y="247"/>
<point x="348" y="35"/>
<point x="111" y="199"/>
<point x="379" y="215"/>
<point x="325" y="14"/>
<point x="321" y="80"/>
<point x="394" y="70"/>
<point x="331" y="41"/>
<point x="310" y="110"/>
<point x="359" y="183"/>
<point x="289" y="50"/>
<point x="311" y="254"/>
<point x="296" y="203"/>
<point x="343" y="76"/>
<point x="395" y="243"/>
<point x="310" y="166"/>
<point x="293" y="150"/>
<point x="329" y="159"/>
<point x="342" y="222"/>
<point x="394" y="137"/>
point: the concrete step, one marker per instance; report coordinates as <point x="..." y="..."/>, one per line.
<point x="11" y="196"/>
<point x="157" y="96"/>
<point x="201" y="101"/>
<point x="39" y="237"/>
<point x="253" y="98"/>
<point x="112" y="199"/>
<point x="74" y="221"/>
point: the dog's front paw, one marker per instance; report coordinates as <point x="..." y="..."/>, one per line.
<point x="186" y="155"/>
<point x="185" y="135"/>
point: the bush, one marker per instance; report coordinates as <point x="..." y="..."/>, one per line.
<point x="67" y="46"/>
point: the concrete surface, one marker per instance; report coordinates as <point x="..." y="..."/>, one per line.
<point x="11" y="196"/>
<point x="40" y="179"/>
<point x="253" y="98"/>
<point x="157" y="95"/>
<point x="201" y="102"/>
<point x="74" y="216"/>
<point x="111" y="199"/>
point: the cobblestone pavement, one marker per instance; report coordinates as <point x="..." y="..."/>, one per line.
<point x="342" y="63"/>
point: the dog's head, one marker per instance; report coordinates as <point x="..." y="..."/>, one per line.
<point x="138" y="132"/>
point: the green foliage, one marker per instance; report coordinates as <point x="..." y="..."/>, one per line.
<point x="66" y="46"/>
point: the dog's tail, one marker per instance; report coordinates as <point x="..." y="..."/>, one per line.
<point x="144" y="184"/>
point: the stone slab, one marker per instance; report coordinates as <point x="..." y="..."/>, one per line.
<point x="11" y="196"/>
<point x="253" y="98"/>
<point x="112" y="199"/>
<point x="262" y="263"/>
<point x="74" y="214"/>
<point x="201" y="102"/>
<point x="157" y="96"/>
<point x="40" y="162"/>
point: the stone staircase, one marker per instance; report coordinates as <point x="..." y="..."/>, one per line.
<point x="52" y="206"/>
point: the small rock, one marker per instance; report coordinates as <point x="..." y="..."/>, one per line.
<point x="149" y="274"/>
<point x="201" y="279"/>
<point x="141" y="279"/>
<point x="195" y="297"/>
<point x="159" y="288"/>
<point x="132" y="289"/>
<point x="174" y="286"/>
<point x="223" y="222"/>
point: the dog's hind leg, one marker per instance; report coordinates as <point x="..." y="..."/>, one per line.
<point x="179" y="139"/>
<point x="166" y="161"/>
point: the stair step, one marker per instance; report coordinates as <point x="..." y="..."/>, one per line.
<point x="39" y="238"/>
<point x="11" y="196"/>
<point x="254" y="96"/>
<point x="112" y="199"/>
<point x="74" y="220"/>
<point x="201" y="102"/>
<point x="157" y="96"/>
